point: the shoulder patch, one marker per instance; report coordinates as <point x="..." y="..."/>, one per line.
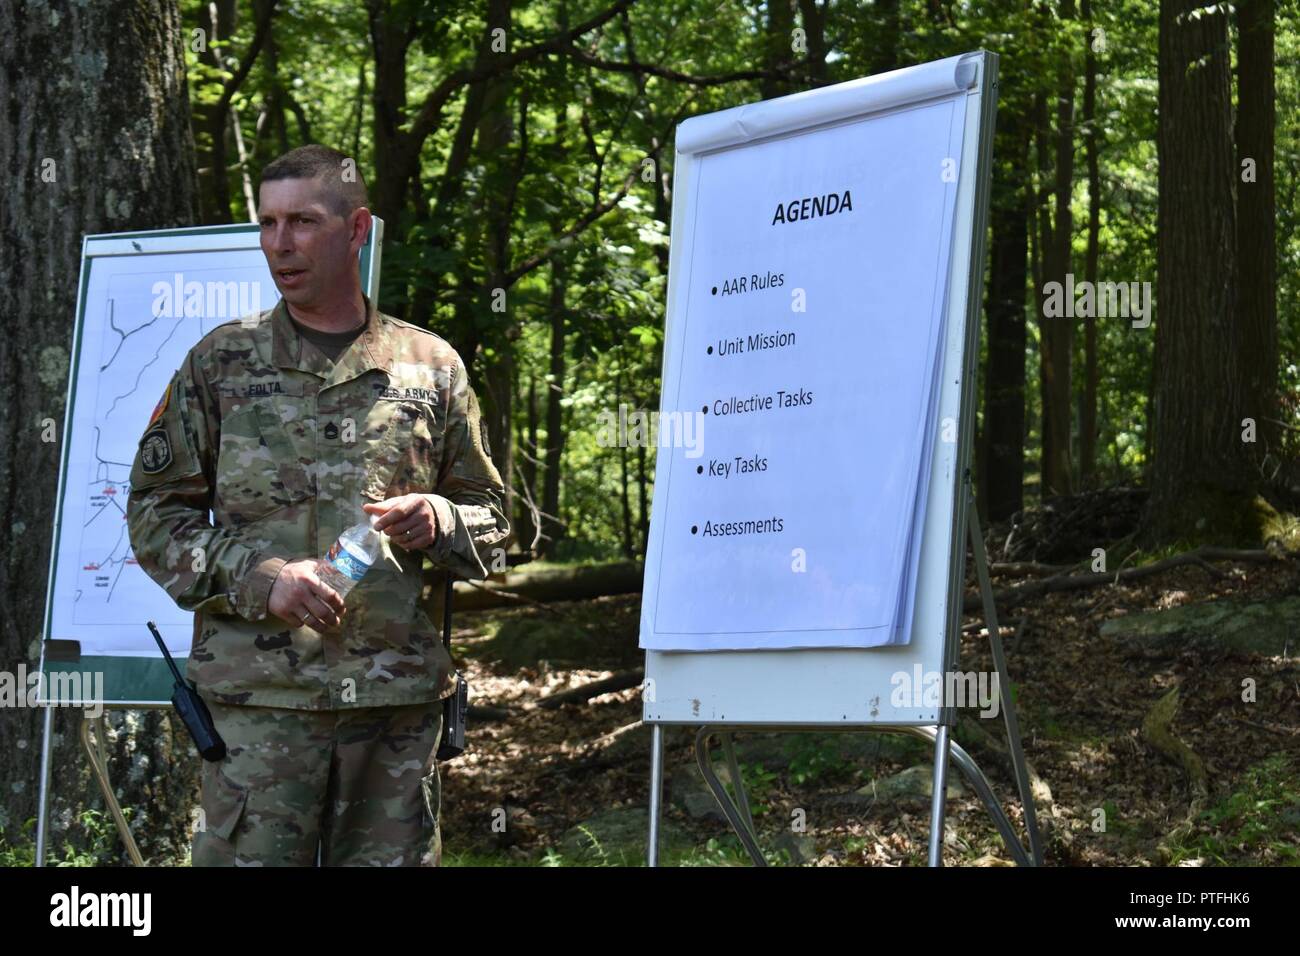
<point x="160" y="407"/>
<point x="155" y="450"/>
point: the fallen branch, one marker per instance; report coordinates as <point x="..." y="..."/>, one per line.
<point x="551" y="585"/>
<point x="1284" y="731"/>
<point x="506" y="597"/>
<point x="1012" y="597"/>
<point x="1017" y="568"/>
<point x="487" y="714"/>
<point x="599" y="756"/>
<point x="578" y="695"/>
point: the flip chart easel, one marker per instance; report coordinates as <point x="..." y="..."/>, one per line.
<point x="912" y="151"/>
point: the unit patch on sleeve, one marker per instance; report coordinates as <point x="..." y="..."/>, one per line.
<point x="155" y="451"/>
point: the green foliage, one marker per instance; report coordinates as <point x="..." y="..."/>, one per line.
<point x="101" y="844"/>
<point x="815" y="759"/>
<point x="1258" y="823"/>
<point x="584" y="261"/>
<point x="759" y="784"/>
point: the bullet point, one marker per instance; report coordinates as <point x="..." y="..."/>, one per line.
<point x="710" y="349"/>
<point x="705" y="409"/>
<point x="694" y="528"/>
<point x="715" y="290"/>
<point x="699" y="469"/>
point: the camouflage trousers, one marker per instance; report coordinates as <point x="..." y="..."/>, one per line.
<point x="363" y="783"/>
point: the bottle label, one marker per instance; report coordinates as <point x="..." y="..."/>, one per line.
<point x="346" y="563"/>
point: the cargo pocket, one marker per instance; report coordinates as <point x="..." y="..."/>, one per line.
<point x="431" y="846"/>
<point x="224" y="803"/>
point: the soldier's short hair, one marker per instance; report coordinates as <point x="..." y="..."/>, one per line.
<point x="339" y="172"/>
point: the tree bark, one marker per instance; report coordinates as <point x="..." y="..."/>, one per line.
<point x="97" y="138"/>
<point x="273" y="140"/>
<point x="814" y="25"/>
<point x="1057" y="333"/>
<point x="1256" y="232"/>
<point x="887" y="32"/>
<point x="778" y="53"/>
<point x="1201" y="381"/>
<point x="495" y="132"/>
<point x="1001" y="467"/>
<point x="555" y="392"/>
<point x="552" y="529"/>
<point x="210" y="116"/>
<point x="1088" y="411"/>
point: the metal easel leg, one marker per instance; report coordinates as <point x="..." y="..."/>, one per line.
<point x="939" y="797"/>
<point x="1004" y="682"/>
<point x="656" y="790"/>
<point x="966" y="764"/>
<point x="740" y="823"/>
<point x="94" y="746"/>
<point x="43" y="798"/>
<point x="738" y="783"/>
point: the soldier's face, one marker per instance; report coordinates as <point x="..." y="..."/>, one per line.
<point x="309" y="247"/>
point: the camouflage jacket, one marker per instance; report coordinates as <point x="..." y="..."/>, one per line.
<point x="283" y="448"/>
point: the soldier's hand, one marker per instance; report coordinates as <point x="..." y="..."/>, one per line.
<point x="300" y="597"/>
<point x="413" y="521"/>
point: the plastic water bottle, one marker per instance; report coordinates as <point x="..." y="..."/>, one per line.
<point x="350" y="556"/>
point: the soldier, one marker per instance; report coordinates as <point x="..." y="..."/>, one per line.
<point x="290" y="426"/>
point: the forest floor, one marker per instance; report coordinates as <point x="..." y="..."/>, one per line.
<point x="1213" y="779"/>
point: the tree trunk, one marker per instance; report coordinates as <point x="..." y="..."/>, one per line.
<point x="495" y="132"/>
<point x="1088" y="411"/>
<point x="777" y="47"/>
<point x="273" y="139"/>
<point x="1057" y="333"/>
<point x="389" y="38"/>
<point x="552" y="529"/>
<point x="887" y="32"/>
<point x="814" y="25"/>
<point x="526" y="531"/>
<point x="1256" y="233"/>
<point x="554" y="394"/>
<point x="643" y="497"/>
<point x="1197" y="462"/>
<point x="625" y="504"/>
<point x="211" y="114"/>
<point x="1001" y="467"/>
<point x="76" y="171"/>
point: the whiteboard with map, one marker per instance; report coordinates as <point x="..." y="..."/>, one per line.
<point x="145" y="299"/>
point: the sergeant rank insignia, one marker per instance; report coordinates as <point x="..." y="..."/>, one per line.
<point x="155" y="451"/>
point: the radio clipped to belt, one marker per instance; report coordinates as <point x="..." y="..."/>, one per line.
<point x="455" y="707"/>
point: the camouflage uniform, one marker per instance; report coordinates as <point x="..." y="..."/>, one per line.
<point x="363" y="781"/>
<point x="284" y="446"/>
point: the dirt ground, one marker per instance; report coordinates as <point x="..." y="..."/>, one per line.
<point x="532" y="775"/>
